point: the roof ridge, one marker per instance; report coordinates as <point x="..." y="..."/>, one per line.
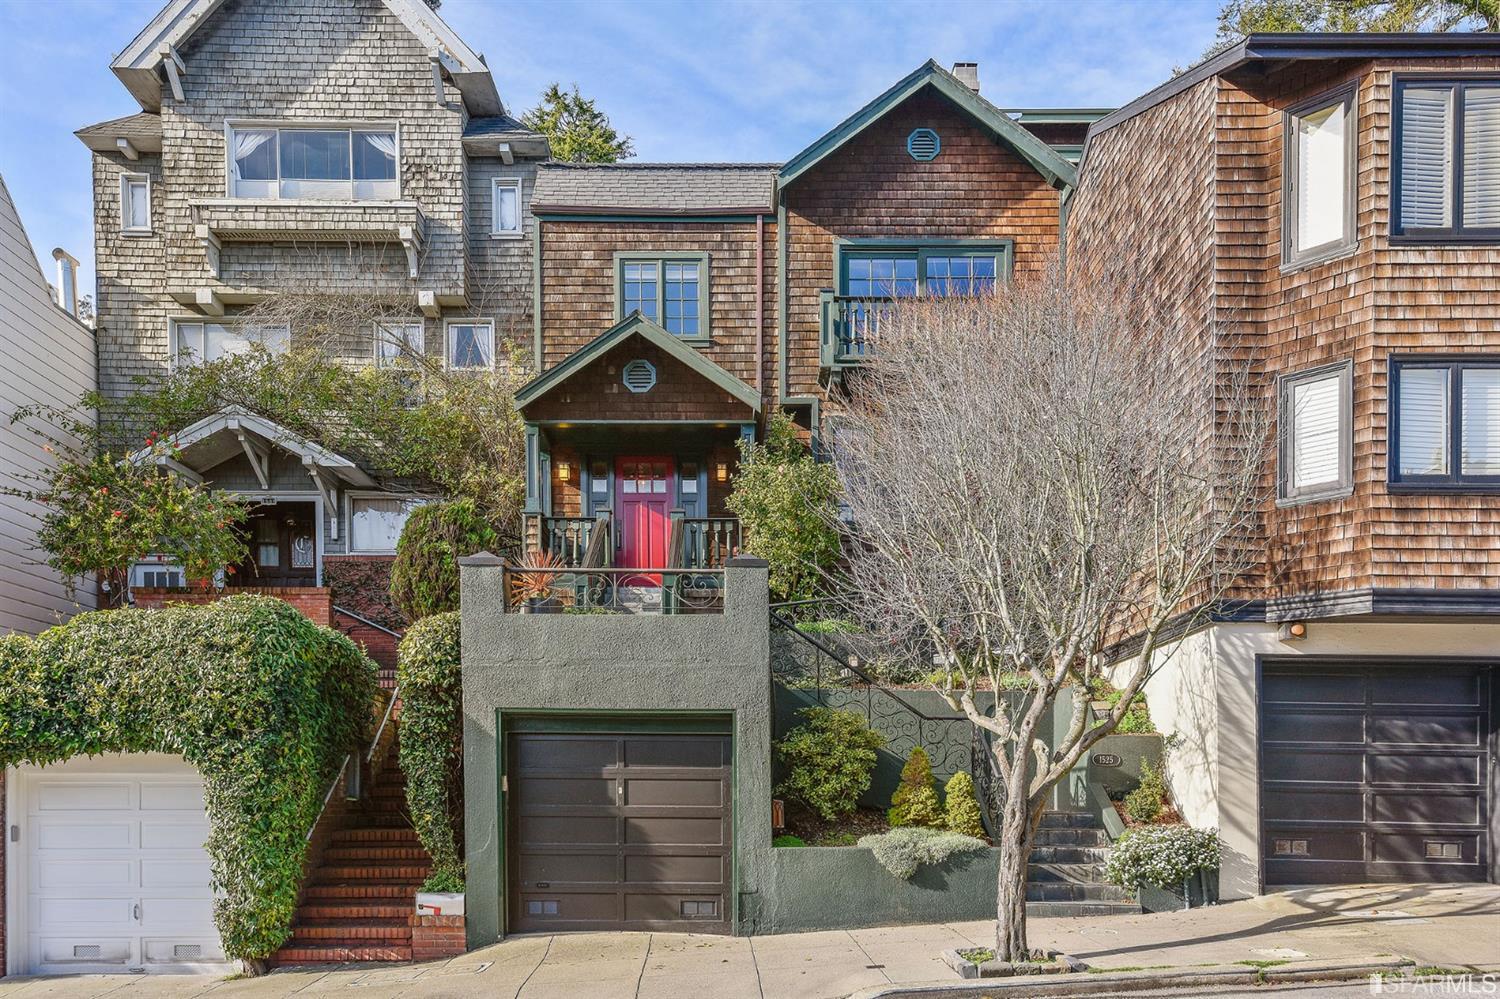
<point x="661" y="165"/>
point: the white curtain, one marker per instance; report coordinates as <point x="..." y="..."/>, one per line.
<point x="383" y="142"/>
<point x="246" y="143"/>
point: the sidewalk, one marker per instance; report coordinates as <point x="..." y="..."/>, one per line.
<point x="1445" y="926"/>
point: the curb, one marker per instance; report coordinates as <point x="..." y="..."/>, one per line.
<point x="1105" y="982"/>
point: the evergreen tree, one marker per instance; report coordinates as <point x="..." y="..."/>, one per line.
<point x="915" y="801"/>
<point x="1238" y="18"/>
<point x="576" y="129"/>
<point x="961" y="806"/>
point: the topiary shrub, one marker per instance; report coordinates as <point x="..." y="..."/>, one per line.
<point x="1163" y="856"/>
<point x="261" y="701"/>
<point x="902" y="851"/>
<point x="424" y="577"/>
<point x="961" y="806"/>
<point x="431" y="748"/>
<point x="829" y="760"/>
<point x="1149" y="799"/>
<point x="915" y="801"/>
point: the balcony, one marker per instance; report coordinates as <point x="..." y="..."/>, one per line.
<point x="850" y="329"/>
<point x="255" y="220"/>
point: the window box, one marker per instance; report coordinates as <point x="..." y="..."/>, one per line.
<point x="1315" y="449"/>
<point x="1319" y="145"/>
<point x="1445" y="163"/>
<point x="1444" y="423"/>
<point x="670" y="289"/>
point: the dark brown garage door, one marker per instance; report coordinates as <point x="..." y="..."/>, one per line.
<point x="619" y="832"/>
<point x="1374" y="773"/>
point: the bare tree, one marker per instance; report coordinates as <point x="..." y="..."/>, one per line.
<point x="1042" y="485"/>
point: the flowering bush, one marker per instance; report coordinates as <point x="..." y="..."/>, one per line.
<point x="1163" y="856"/>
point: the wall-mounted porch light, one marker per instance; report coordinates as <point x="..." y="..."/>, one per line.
<point x="564" y="471"/>
<point x="721" y="471"/>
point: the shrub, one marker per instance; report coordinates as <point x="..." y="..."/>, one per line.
<point x="788" y="841"/>
<point x="424" y="577"/>
<point x="910" y="806"/>
<point x="829" y="760"/>
<point x="261" y="701"/>
<point x="1163" y="856"/>
<point x="1136" y="720"/>
<point x="902" y="851"/>
<point x="431" y="733"/>
<point x="961" y="806"/>
<point x="784" y="498"/>
<point x="1149" y="799"/>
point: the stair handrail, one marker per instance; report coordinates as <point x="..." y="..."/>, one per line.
<point x="344" y="766"/>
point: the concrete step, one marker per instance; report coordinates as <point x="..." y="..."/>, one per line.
<point x="1071" y="836"/>
<point x="313" y="954"/>
<point x="1073" y="873"/>
<point x="1068" y="820"/>
<point x="1069" y="854"/>
<point x="1068" y="891"/>
<point x="1044" y="910"/>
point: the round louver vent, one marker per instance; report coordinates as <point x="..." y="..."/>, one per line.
<point x="639" y="376"/>
<point x="924" y="145"/>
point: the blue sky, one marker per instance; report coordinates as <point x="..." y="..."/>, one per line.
<point x="737" y="80"/>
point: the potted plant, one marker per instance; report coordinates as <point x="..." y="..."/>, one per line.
<point x="532" y="586"/>
<point x="1168" y="867"/>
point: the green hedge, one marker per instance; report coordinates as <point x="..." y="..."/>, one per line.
<point x="432" y="751"/>
<point x="261" y="701"/>
<point x="424" y="576"/>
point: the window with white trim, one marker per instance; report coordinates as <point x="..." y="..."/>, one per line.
<point x="343" y="164"/>
<point x="1445" y="422"/>
<point x="1318" y="203"/>
<point x="505" y="219"/>
<point x="393" y="341"/>
<point x="1445" y="177"/>
<point x="1315" y="416"/>
<point x="135" y="202"/>
<point x="376" y="522"/>
<point x="471" y="344"/>
<point x="196" y="342"/>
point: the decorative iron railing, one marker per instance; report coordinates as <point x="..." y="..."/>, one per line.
<point x="613" y="591"/>
<point x="709" y="542"/>
<point x="850" y="327"/>
<point x="568" y="538"/>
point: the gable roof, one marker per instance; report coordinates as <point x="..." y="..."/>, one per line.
<point x="142" y="130"/>
<point x="655" y="188"/>
<point x="200" y="451"/>
<point x="1057" y="170"/>
<point x="138" y="63"/>
<point x="636" y="324"/>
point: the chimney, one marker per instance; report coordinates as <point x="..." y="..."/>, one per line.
<point x="968" y="74"/>
<point x="67" y="281"/>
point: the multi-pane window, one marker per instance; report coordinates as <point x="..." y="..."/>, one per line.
<point x="671" y="290"/>
<point x="1447" y="173"/>
<point x="1318" y="203"/>
<point x="882" y="277"/>
<point x="396" y="340"/>
<point x="921" y="270"/>
<point x="1315" y="450"/>
<point x="342" y="164"/>
<point x="1445" y="419"/>
<point x="506" y="220"/>
<point x="135" y="202"/>
<point x="471" y="344"/>
<point x="196" y="343"/>
<point x="375" y="522"/>
<point x="960" y="275"/>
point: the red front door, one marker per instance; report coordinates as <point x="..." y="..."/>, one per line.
<point x="644" y="500"/>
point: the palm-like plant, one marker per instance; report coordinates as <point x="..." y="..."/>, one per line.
<point x="534" y="576"/>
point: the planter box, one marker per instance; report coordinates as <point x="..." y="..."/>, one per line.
<point x="440" y="903"/>
<point x="1057" y="963"/>
<point x="1195" y="893"/>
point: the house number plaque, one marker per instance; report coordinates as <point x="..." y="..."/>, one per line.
<point x="1106" y="760"/>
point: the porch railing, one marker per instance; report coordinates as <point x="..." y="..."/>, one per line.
<point x="850" y="327"/>
<point x="663" y="590"/>
<point x="575" y="539"/>
<point x="709" y="542"/>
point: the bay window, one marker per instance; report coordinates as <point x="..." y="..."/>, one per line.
<point x="343" y="164"/>
<point x="194" y="342"/>
<point x="1445" y="179"/>
<point x="1318" y="197"/>
<point x="1445" y="422"/>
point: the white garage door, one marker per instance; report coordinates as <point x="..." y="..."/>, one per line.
<point x="115" y="874"/>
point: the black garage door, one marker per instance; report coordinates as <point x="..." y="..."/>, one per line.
<point x="1374" y="772"/>
<point x="619" y="832"/>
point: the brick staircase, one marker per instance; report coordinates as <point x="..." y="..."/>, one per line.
<point x="1066" y="876"/>
<point x="358" y="901"/>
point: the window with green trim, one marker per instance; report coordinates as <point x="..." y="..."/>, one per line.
<point x="670" y="290"/>
<point x="938" y="269"/>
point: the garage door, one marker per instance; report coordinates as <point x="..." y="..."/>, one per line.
<point x="619" y="832"/>
<point x="1374" y="773"/>
<point x="115" y="874"/>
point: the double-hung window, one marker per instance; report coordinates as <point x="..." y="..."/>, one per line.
<point x="1445" y="178"/>
<point x="194" y="342"/>
<point x="135" y="203"/>
<point x="342" y="164"/>
<point x="1445" y="422"/>
<point x="670" y="290"/>
<point x="1318" y="194"/>
<point x="505" y="195"/>
<point x="471" y="343"/>
<point x="1315" y="453"/>
<point x="393" y="341"/>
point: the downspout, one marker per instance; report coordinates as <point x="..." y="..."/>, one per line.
<point x="760" y="303"/>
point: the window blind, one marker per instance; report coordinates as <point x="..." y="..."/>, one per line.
<point x="1479" y="390"/>
<point x="1315" y="431"/>
<point x="1482" y="156"/>
<point x="1320" y="182"/>
<point x="1426" y="163"/>
<point x="1423" y="437"/>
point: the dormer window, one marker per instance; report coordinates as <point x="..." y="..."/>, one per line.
<point x="334" y="164"/>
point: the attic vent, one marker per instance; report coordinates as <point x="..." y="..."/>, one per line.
<point x="924" y="145"/>
<point x="639" y="376"/>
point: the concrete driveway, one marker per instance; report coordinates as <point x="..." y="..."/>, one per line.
<point x="1449" y="926"/>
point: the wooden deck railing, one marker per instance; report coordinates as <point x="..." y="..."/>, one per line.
<point x="850" y="327"/>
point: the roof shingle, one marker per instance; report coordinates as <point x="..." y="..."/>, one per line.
<point x="655" y="188"/>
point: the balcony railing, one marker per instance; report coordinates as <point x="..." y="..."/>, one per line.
<point x="578" y="542"/>
<point x="709" y="542"/>
<point x="850" y="328"/>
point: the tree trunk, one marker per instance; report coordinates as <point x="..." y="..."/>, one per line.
<point x="1017" y="833"/>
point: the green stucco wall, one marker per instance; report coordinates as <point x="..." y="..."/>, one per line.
<point x="638" y="665"/>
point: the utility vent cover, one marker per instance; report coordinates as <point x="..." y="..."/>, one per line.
<point x="639" y="376"/>
<point x="86" y="950"/>
<point x="924" y="145"/>
<point x="183" y="951"/>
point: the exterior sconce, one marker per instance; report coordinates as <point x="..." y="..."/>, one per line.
<point x="1293" y="631"/>
<point x="721" y="471"/>
<point x="564" y="471"/>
